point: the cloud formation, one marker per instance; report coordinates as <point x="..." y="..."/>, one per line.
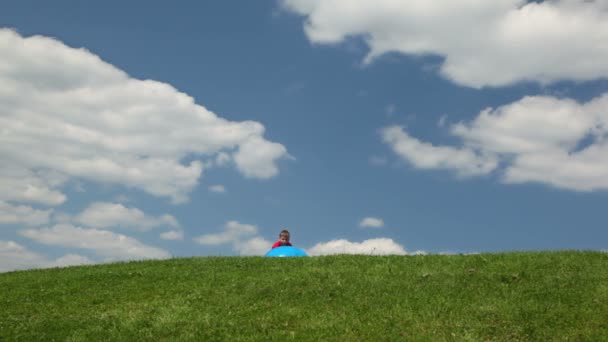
<point x="64" y="232"/>
<point x="20" y="184"/>
<point x="172" y="235"/>
<point x="21" y="214"/>
<point x="253" y="246"/>
<point x="80" y="117"/>
<point x="379" y="246"/>
<point x="484" y="43"/>
<point x="464" y="161"/>
<point x="107" y="244"/>
<point x="243" y="237"/>
<point x="13" y="257"/>
<point x="233" y="230"/>
<point x="371" y="222"/>
<point x="115" y="215"/>
<point x="558" y="142"/>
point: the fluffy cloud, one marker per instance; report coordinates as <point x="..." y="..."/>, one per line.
<point x="104" y="243"/>
<point x="254" y="246"/>
<point x="380" y="246"/>
<point x="20" y="184"/>
<point x="112" y="215"/>
<point x="20" y="214"/>
<point x="255" y="157"/>
<point x="242" y="237"/>
<point x="233" y="231"/>
<point x="543" y="139"/>
<point x="531" y="125"/>
<point x="371" y="222"/>
<point x="466" y="162"/>
<point x="13" y="256"/>
<point x="70" y="260"/>
<point x="172" y="235"/>
<point x="485" y="43"/>
<point x="78" y="116"/>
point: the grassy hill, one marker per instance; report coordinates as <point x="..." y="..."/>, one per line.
<point x="509" y="296"/>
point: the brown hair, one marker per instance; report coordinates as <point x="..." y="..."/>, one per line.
<point x="284" y="232"/>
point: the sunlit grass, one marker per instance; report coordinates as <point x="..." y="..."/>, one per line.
<point x="510" y="296"/>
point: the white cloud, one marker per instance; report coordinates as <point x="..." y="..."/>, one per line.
<point x="243" y="238"/>
<point x="22" y="185"/>
<point x="113" y="215"/>
<point x="104" y="243"/>
<point x="371" y="222"/>
<point x="558" y="142"/>
<point x="220" y="160"/>
<point x="70" y="260"/>
<point x="233" y="231"/>
<point x="172" y="235"/>
<point x="254" y="246"/>
<point x="255" y="157"/>
<point x="556" y="155"/>
<point x="485" y="43"/>
<point x="464" y="161"/>
<point x="530" y="125"/>
<point x="379" y="246"/>
<point x="217" y="189"/>
<point x="20" y="214"/>
<point x="13" y="257"/>
<point x="80" y="117"/>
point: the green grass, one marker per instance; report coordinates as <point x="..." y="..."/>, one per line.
<point x="511" y="296"/>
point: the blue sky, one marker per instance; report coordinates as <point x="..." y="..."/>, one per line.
<point x="149" y="130"/>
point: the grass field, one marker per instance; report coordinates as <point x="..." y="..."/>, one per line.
<point x="506" y="297"/>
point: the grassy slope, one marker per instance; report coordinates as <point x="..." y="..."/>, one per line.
<point x="526" y="296"/>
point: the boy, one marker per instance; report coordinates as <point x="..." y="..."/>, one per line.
<point x="283" y="239"/>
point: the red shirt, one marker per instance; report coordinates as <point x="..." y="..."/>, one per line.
<point x="278" y="244"/>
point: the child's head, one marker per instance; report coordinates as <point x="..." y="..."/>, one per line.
<point x="284" y="237"/>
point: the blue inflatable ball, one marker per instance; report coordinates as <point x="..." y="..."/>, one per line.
<point x="286" y="251"/>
